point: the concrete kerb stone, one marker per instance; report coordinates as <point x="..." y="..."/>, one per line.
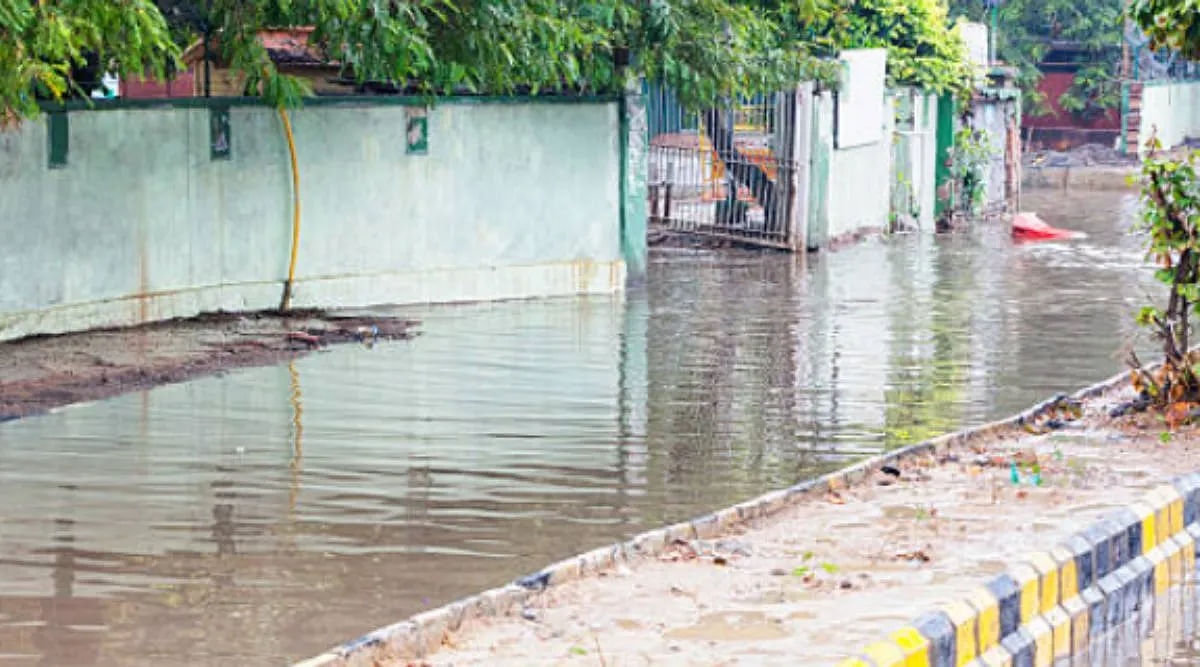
<point x="916" y="649"/>
<point x="987" y="619"/>
<point x="401" y="639"/>
<point x="432" y="627"/>
<point x="1093" y="599"/>
<point x="1056" y="606"/>
<point x="323" y="660"/>
<point x="997" y="656"/>
<point x="706" y="527"/>
<point x="939" y="631"/>
<point x="1007" y="593"/>
<point x="562" y="572"/>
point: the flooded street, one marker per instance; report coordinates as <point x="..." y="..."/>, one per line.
<point x="267" y="514"/>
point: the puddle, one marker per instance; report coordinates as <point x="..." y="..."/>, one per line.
<point x="732" y="626"/>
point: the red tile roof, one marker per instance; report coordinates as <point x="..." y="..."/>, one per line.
<point x="286" y="46"/>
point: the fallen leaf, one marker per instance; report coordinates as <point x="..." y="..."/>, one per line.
<point x="919" y="555"/>
<point x="1179" y="414"/>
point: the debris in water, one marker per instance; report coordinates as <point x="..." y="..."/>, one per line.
<point x="535" y="582"/>
<point x="1138" y="404"/>
<point x="915" y="556"/>
<point x="305" y="337"/>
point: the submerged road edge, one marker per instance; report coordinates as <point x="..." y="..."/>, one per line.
<point x="422" y="634"/>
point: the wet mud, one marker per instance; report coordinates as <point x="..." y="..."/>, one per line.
<point x="44" y="372"/>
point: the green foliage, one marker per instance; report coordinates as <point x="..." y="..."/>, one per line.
<point x="1026" y="31"/>
<point x="1094" y="91"/>
<point x="41" y="43"/>
<point x="1172" y="24"/>
<point x="1170" y="197"/>
<point x="706" y="50"/>
<point x="969" y="158"/>
<point x="923" y="50"/>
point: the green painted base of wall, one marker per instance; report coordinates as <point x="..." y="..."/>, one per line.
<point x="946" y="108"/>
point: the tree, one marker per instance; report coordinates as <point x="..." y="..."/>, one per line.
<point x="923" y="50"/>
<point x="1169" y="23"/>
<point x="41" y="43"/>
<point x="1029" y="28"/>
<point x="1171" y="221"/>
<point x="706" y="50"/>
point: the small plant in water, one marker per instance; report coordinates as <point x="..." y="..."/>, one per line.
<point x="806" y="571"/>
<point x="1170" y="197"/>
<point x="969" y="157"/>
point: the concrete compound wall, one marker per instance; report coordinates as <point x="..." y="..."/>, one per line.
<point x="914" y="159"/>
<point x="1170" y="110"/>
<point x="999" y="117"/>
<point x="851" y="152"/>
<point x="511" y="200"/>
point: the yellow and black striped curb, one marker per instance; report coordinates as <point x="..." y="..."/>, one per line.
<point x="1059" y="604"/>
<point x="421" y="635"/>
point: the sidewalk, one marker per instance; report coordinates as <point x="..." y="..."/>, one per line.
<point x="815" y="582"/>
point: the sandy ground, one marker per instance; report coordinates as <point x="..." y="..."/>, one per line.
<point x="823" y="578"/>
<point x="44" y="372"/>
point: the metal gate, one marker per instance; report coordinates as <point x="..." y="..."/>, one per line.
<point x="737" y="172"/>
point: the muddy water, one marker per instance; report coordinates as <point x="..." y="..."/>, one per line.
<point x="268" y="514"/>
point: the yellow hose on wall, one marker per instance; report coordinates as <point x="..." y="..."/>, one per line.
<point x="286" y="303"/>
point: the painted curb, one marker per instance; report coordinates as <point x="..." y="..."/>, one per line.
<point x="1059" y="604"/>
<point x="421" y="635"/>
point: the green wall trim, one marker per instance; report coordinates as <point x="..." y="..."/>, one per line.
<point x="1167" y="82"/>
<point x="57" y="140"/>
<point x="946" y="108"/>
<point x="324" y="100"/>
<point x="1125" y="118"/>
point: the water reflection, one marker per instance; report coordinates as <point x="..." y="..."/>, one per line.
<point x="265" y="515"/>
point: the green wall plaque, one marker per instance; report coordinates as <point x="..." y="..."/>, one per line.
<point x="218" y="133"/>
<point x="57" y="139"/>
<point x="416" y="131"/>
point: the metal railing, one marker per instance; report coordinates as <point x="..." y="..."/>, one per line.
<point x="728" y="171"/>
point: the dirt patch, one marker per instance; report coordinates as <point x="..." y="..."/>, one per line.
<point x="44" y="372"/>
<point x="822" y="578"/>
<point x="662" y="238"/>
<point x="1086" y="155"/>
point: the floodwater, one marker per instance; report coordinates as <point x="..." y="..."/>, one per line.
<point x="268" y="514"/>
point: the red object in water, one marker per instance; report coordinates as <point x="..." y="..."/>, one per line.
<point x="1028" y="227"/>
